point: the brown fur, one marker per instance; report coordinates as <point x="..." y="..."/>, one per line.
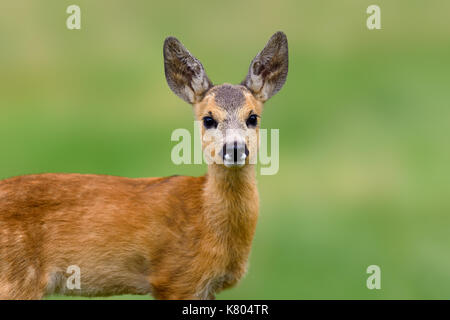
<point x="171" y="236"/>
<point x="176" y="237"/>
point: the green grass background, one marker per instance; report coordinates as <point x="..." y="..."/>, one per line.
<point x="364" y="123"/>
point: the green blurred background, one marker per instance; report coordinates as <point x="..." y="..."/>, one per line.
<point x="364" y="123"/>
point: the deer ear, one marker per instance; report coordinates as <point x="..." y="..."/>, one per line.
<point x="268" y="70"/>
<point x="185" y="74"/>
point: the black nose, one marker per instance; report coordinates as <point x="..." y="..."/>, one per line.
<point x="236" y="152"/>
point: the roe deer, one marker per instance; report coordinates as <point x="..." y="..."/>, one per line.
<point x="175" y="237"/>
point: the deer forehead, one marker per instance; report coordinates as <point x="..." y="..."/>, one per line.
<point x="228" y="102"/>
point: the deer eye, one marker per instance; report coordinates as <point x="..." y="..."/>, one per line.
<point x="252" y="121"/>
<point x="209" y="122"/>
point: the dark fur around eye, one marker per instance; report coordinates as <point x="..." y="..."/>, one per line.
<point x="209" y="122"/>
<point x="252" y="121"/>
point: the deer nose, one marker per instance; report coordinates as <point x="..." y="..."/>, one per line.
<point x="235" y="153"/>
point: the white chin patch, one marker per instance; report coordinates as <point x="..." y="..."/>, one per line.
<point x="233" y="164"/>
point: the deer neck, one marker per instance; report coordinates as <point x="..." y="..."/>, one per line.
<point x="231" y="203"/>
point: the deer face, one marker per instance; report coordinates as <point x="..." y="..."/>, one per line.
<point x="229" y="114"/>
